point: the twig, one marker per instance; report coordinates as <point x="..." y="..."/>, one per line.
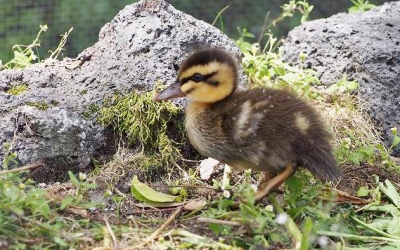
<point x="111" y="232"/>
<point x="222" y="222"/>
<point x="156" y="233"/>
<point x="264" y="28"/>
<point x="33" y="165"/>
<point x="155" y="210"/>
<point x="185" y="186"/>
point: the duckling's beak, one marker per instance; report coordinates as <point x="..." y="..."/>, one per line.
<point x="172" y="91"/>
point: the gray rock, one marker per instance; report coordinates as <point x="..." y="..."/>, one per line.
<point x="144" y="44"/>
<point x="366" y="47"/>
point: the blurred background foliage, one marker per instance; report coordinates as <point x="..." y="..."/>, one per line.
<point x="20" y="19"/>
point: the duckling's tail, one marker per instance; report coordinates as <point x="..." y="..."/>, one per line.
<point x="318" y="158"/>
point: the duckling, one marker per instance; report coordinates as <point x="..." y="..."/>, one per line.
<point x="264" y="129"/>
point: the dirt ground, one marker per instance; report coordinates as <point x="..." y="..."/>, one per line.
<point x="353" y="178"/>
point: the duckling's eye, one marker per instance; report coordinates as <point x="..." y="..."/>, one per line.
<point x="197" y="77"/>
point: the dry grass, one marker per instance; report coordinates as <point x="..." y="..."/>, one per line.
<point x="345" y="117"/>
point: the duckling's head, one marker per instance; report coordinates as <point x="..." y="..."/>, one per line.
<point x="207" y="76"/>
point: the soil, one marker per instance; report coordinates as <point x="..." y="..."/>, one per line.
<point x="355" y="176"/>
<point x="133" y="213"/>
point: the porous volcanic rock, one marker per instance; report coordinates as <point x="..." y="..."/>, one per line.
<point x="53" y="122"/>
<point x="364" y="46"/>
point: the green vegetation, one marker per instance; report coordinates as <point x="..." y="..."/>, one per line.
<point x="39" y="105"/>
<point x="31" y="216"/>
<point x="91" y="111"/>
<point x="140" y="120"/>
<point x="25" y="55"/>
<point x="18" y="89"/>
<point x="360" y="6"/>
<point x="91" y="210"/>
<point x="20" y="19"/>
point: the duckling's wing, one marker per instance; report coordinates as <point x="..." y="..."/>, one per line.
<point x="243" y="117"/>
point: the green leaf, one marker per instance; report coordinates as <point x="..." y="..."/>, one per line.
<point x="296" y="186"/>
<point x="280" y="71"/>
<point x="356" y="157"/>
<point x="220" y="229"/>
<point x="352" y="85"/>
<point x="290" y="78"/>
<point x="60" y="241"/>
<point x="16" y="209"/>
<point x="66" y="202"/>
<point x="89" y="185"/>
<point x="332" y="89"/>
<point x="394" y="226"/>
<point x="391" y="192"/>
<point x="11" y="191"/>
<point x="144" y="193"/>
<point x="73" y="178"/>
<point x="396" y="141"/>
<point x="305" y="241"/>
<point x="39" y="206"/>
<point x="363" y="191"/>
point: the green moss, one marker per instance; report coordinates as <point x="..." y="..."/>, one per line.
<point x="18" y="89"/>
<point x="139" y="119"/>
<point x="91" y="111"/>
<point x="39" y="105"/>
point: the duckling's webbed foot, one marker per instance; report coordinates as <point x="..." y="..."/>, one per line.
<point x="274" y="183"/>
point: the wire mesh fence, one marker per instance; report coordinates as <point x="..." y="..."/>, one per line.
<point x="20" y="19"/>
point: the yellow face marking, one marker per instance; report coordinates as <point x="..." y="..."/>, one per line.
<point x="205" y="92"/>
<point x="202" y="69"/>
<point x="301" y="122"/>
<point x="188" y="87"/>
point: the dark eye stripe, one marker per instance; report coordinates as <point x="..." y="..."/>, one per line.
<point x="213" y="83"/>
<point x="205" y="78"/>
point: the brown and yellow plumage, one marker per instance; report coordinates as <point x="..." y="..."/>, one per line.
<point x="267" y="130"/>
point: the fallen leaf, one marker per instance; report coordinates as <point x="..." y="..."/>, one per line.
<point x="190" y="205"/>
<point x="77" y="211"/>
<point x="144" y="193"/>
<point x="345" y="197"/>
<point x="207" y="168"/>
<point x="196" y="204"/>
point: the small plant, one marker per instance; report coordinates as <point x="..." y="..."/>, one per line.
<point x="25" y="55"/>
<point x="288" y="10"/>
<point x="10" y="157"/>
<point x="80" y="183"/>
<point x="265" y="68"/>
<point x="342" y="86"/>
<point x="360" y="6"/>
<point x="219" y="17"/>
<point x="396" y="138"/>
<point x="64" y="37"/>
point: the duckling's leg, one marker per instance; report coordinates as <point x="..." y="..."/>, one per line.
<point x="275" y="182"/>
